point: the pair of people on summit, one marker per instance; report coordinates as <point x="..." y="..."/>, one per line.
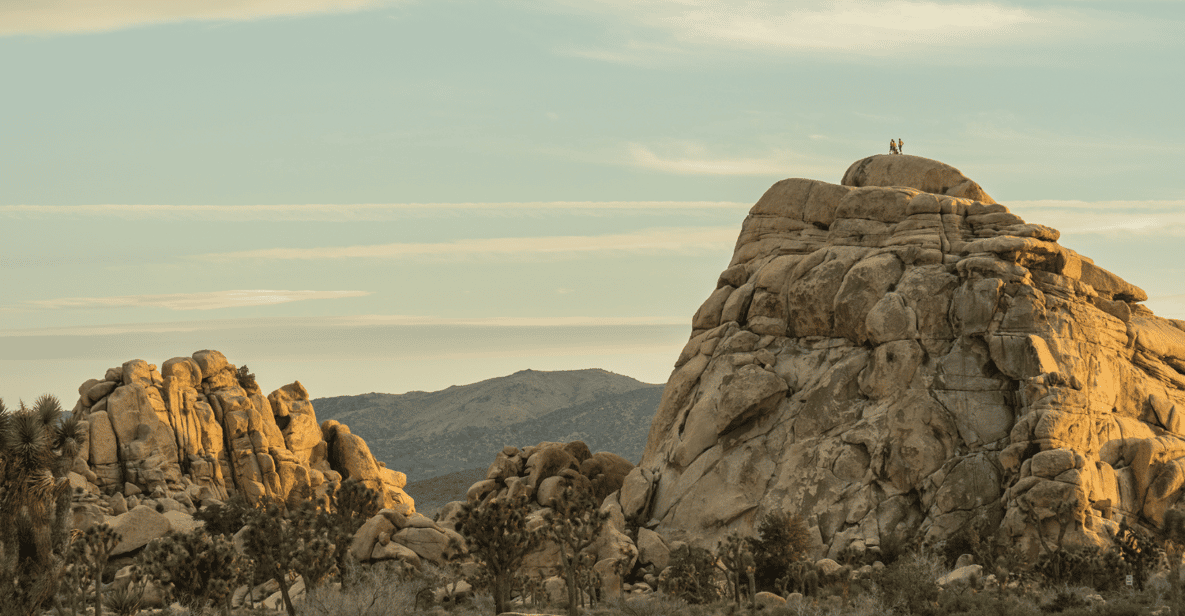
<point x="896" y="148"/>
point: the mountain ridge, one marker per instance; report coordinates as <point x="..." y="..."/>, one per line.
<point x="609" y="411"/>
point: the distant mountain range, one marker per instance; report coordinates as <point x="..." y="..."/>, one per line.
<point x="429" y="434"/>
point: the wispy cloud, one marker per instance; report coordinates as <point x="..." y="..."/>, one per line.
<point x="188" y="301"/>
<point x="354" y="212"/>
<point x="208" y="325"/>
<point x="693" y="158"/>
<point x="682" y="240"/>
<point x="863" y="27"/>
<point x="1106" y="217"/>
<point x="66" y="16"/>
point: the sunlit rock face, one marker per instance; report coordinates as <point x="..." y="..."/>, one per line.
<point x="198" y="428"/>
<point x="897" y="353"/>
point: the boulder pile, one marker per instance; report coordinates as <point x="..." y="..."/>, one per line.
<point x="542" y="473"/>
<point x="198" y="430"/>
<point x="896" y="354"/>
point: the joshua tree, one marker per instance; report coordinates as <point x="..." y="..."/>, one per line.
<point x="349" y="507"/>
<point x="197" y="568"/>
<point x="90" y="552"/>
<point x="574" y="524"/>
<point x="497" y="536"/>
<point x="734" y="554"/>
<point x="37" y="449"/>
<point x="282" y="543"/>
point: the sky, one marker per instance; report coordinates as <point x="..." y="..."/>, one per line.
<point x="385" y="196"/>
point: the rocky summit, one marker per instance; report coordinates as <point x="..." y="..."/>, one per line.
<point x="200" y="430"/>
<point x="898" y="354"/>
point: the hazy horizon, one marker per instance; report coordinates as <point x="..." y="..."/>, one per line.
<point x="395" y="195"/>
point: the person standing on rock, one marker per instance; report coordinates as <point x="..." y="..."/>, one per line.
<point x="892" y="147"/>
<point x="900" y="146"/>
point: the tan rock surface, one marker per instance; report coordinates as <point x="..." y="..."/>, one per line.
<point x="137" y="528"/>
<point x="904" y="353"/>
<point x="193" y="431"/>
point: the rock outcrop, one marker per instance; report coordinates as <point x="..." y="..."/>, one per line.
<point x="199" y="429"/>
<point x="541" y="473"/>
<point x="896" y="354"/>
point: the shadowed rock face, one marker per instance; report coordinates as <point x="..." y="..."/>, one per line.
<point x="195" y="429"/>
<point x="898" y="353"/>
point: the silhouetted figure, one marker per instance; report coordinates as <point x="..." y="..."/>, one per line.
<point x="900" y="146"/>
<point x="892" y="147"/>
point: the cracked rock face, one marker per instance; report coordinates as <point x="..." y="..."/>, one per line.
<point x="195" y="429"/>
<point x="896" y="354"/>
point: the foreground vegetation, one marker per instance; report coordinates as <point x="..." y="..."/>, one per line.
<point x="45" y="568"/>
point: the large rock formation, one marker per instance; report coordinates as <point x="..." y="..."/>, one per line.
<point x="898" y="353"/>
<point x="199" y="429"/>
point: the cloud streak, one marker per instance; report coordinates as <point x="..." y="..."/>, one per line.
<point x="1164" y="218"/>
<point x="189" y="301"/>
<point x="862" y="27"/>
<point x="349" y="212"/>
<point x="70" y="16"/>
<point x="691" y="158"/>
<point x="685" y="240"/>
<point x="346" y="322"/>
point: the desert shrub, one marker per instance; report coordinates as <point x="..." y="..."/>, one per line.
<point x="782" y="538"/>
<point x="646" y="606"/>
<point x="1098" y="568"/>
<point x="691" y="576"/>
<point x="246" y="379"/>
<point x="373" y="593"/>
<point x="964" y="603"/>
<point x="909" y="584"/>
<point x="896" y="545"/>
<point x="227" y="518"/>
<point x="1064" y="599"/>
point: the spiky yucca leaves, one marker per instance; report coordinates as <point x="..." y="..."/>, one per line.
<point x="37" y="448"/>
<point x="497" y="536"/>
<point x="196" y="568"/>
<point x="90" y="552"/>
<point x="574" y="523"/>
<point x="126" y="601"/>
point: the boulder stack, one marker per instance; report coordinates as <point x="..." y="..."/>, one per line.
<point x="541" y="473"/>
<point x="200" y="429"/>
<point x="895" y="354"/>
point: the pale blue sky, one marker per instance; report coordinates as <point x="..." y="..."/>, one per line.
<point x="384" y="196"/>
